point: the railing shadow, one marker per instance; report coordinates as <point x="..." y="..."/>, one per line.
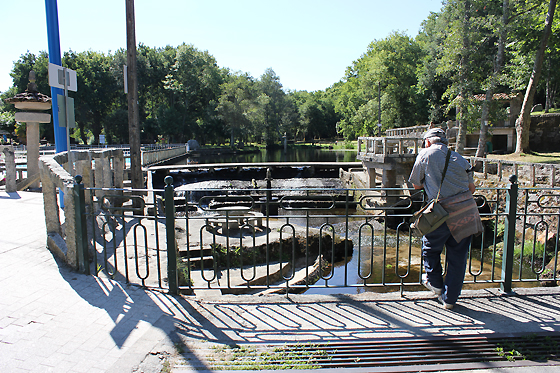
<point x="130" y="306"/>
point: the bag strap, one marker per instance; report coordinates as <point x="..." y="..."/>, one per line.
<point x="448" y="155"/>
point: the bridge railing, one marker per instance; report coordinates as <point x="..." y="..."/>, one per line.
<point x="417" y="131"/>
<point x="301" y="239"/>
<point x="388" y="146"/>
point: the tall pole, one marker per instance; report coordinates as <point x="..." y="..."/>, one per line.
<point x="133" y="118"/>
<point x="53" y="38"/>
<point x="51" y="9"/>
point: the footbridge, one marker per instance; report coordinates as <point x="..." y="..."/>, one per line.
<point x="388" y="160"/>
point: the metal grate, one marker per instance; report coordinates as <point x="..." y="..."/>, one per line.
<point x="395" y="353"/>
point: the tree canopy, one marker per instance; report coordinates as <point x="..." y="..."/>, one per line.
<point x="468" y="48"/>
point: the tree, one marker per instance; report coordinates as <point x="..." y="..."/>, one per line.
<point x="502" y="31"/>
<point x="388" y="68"/>
<point x="523" y="122"/>
<point x="275" y="114"/>
<point x="316" y="115"/>
<point x="237" y="99"/>
<point x="195" y="81"/>
<point x="153" y="67"/>
<point x="97" y="90"/>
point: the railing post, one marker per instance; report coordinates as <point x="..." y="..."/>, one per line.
<point x="81" y="225"/>
<point x="509" y="234"/>
<point x="170" y="233"/>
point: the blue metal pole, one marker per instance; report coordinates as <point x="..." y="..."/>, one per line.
<point x="60" y="140"/>
<point x="51" y="9"/>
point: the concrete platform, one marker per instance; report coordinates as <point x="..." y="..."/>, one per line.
<point x="55" y="320"/>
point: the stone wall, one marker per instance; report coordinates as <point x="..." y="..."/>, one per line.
<point x="99" y="169"/>
<point x="545" y="132"/>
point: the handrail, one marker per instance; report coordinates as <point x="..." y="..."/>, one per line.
<point x="388" y="146"/>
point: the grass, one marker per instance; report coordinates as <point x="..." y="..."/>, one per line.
<point x="530" y="347"/>
<point x="551" y="111"/>
<point x="339" y="144"/>
<point x="236" y="357"/>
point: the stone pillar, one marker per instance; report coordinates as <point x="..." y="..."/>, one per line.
<point x="11" y="175"/>
<point x="389" y="180"/>
<point x="52" y="216"/>
<point x="372" y="177"/>
<point x="32" y="131"/>
<point x="70" y="227"/>
<point x="98" y="175"/>
<point x="511" y="142"/>
<point x="118" y="169"/>
<point x="106" y="168"/>
<point x="83" y="167"/>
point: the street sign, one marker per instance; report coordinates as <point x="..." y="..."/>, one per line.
<point x="57" y="78"/>
<point x="62" y="111"/>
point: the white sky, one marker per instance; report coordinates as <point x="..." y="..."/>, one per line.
<point x="308" y="43"/>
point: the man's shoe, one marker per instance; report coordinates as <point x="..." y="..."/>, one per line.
<point x="433" y="289"/>
<point x="447" y="306"/>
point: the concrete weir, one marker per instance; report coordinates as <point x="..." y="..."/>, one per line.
<point x="248" y="171"/>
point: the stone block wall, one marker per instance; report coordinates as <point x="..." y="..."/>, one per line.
<point x="99" y="169"/>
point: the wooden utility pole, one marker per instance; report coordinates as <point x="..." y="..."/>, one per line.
<point x="133" y="117"/>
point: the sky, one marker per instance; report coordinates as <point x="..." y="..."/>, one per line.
<point x="308" y="43"/>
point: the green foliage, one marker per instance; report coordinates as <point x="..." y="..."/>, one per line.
<point x="299" y="356"/>
<point x="7" y="121"/>
<point x="383" y="80"/>
<point x="531" y="251"/>
<point x="529" y="347"/>
<point x="184" y="273"/>
<point x="184" y="94"/>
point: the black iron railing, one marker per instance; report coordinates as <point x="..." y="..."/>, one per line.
<point x="272" y="240"/>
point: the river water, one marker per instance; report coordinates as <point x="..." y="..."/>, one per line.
<point x="307" y="154"/>
<point x="374" y="259"/>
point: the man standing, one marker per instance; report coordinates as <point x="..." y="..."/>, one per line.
<point x="463" y="222"/>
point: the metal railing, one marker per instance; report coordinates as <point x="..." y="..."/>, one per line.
<point x="272" y="240"/>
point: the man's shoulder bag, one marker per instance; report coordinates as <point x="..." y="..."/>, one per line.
<point x="432" y="215"/>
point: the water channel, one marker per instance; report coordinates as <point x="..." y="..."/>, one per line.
<point x="382" y="266"/>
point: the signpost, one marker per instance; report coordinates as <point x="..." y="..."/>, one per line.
<point x="64" y="78"/>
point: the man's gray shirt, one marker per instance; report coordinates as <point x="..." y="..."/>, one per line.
<point x="428" y="169"/>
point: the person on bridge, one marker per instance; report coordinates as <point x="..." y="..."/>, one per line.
<point x="456" y="197"/>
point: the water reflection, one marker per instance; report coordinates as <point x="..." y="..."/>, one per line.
<point x="298" y="154"/>
<point x="385" y="258"/>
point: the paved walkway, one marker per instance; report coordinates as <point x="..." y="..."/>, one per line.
<point x="55" y="320"/>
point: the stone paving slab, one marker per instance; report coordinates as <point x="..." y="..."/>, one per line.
<point x="53" y="319"/>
